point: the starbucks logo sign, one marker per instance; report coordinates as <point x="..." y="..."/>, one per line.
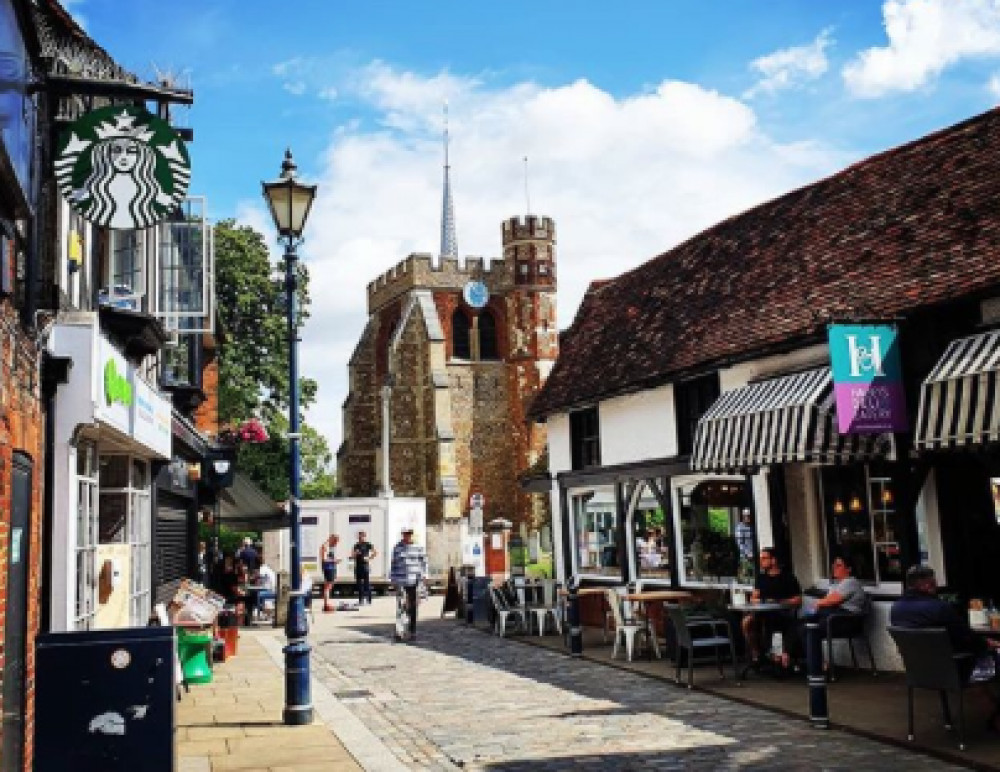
<point x="122" y="168"/>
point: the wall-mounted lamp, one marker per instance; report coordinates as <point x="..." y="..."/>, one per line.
<point x="855" y="504"/>
<point x="838" y="507"/>
<point x="887" y="497"/>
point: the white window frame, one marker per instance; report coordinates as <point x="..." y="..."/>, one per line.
<point x="573" y="496"/>
<point x="691" y="482"/>
<point x="185" y="320"/>
<point x="117" y="248"/>
<point x="138" y="535"/>
<point x="85" y="549"/>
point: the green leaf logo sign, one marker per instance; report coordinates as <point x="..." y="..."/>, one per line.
<point x="122" y="168"/>
<point x="116" y="386"/>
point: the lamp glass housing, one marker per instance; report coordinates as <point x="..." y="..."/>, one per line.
<point x="289" y="201"/>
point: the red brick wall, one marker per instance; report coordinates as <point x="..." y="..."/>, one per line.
<point x="21" y="429"/>
<point x="206" y="416"/>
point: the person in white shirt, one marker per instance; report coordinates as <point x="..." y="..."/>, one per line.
<point x="267" y="582"/>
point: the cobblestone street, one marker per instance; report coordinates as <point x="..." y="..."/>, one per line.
<point x="461" y="699"/>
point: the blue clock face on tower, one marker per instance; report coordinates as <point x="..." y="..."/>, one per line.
<point x="476" y="294"/>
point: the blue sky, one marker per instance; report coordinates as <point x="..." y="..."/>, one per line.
<point x="644" y="122"/>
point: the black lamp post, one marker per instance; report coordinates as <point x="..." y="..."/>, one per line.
<point x="290" y="201"/>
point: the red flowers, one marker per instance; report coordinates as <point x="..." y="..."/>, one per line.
<point x="250" y="431"/>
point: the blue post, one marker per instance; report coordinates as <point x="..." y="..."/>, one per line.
<point x="470" y="611"/>
<point x="573" y="614"/>
<point x="819" y="714"/>
<point x="298" y="700"/>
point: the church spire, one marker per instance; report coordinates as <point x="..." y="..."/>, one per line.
<point x="449" y="243"/>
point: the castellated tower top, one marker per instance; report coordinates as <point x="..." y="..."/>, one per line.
<point x="528" y="228"/>
<point x="528" y="239"/>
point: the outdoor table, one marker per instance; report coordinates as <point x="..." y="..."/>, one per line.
<point x="762" y="608"/>
<point x="984" y="630"/>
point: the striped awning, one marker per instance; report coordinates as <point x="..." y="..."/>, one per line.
<point x="781" y="420"/>
<point x="959" y="406"/>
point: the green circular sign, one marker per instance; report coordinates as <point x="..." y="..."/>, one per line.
<point x="122" y="168"/>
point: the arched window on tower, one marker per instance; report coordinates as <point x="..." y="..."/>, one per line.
<point x="488" y="348"/>
<point x="461" y="343"/>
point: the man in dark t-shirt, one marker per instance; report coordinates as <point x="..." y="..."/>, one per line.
<point x="774" y="584"/>
<point x="363" y="553"/>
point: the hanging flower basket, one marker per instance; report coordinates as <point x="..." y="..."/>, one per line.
<point x="251" y="432"/>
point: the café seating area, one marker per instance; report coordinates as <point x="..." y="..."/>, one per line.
<point x="661" y="633"/>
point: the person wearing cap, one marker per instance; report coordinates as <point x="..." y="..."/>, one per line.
<point x="408" y="570"/>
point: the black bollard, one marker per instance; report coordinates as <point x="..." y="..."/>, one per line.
<point x="573" y="612"/>
<point x="819" y="714"/>
<point x="470" y="609"/>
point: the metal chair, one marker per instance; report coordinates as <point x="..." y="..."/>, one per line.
<point x="628" y="628"/>
<point x="547" y="607"/>
<point x="504" y="611"/>
<point x="846" y="626"/>
<point x="931" y="663"/>
<point x="719" y="634"/>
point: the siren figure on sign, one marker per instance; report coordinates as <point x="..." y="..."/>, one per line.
<point x="122" y="168"/>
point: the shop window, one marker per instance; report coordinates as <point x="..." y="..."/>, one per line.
<point x="125" y="284"/>
<point x="179" y="362"/>
<point x="595" y="532"/>
<point x="585" y="438"/>
<point x="124" y="518"/>
<point x="863" y="522"/>
<point x="461" y="335"/>
<point x="692" y="399"/>
<point x="487" y="326"/>
<point x="651" y="536"/>
<point x="710" y="527"/>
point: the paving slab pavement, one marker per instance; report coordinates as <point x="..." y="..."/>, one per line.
<point x="235" y="723"/>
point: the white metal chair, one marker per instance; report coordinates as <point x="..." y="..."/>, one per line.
<point x="504" y="611"/>
<point x="548" y="608"/>
<point x="628" y="629"/>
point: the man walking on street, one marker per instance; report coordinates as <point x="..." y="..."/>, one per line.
<point x="409" y="571"/>
<point x="363" y="553"/>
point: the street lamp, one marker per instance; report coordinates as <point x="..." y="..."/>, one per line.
<point x="290" y="201"/>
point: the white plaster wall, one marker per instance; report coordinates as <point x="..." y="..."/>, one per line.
<point x="767" y="367"/>
<point x="638" y="427"/>
<point x="557" y="433"/>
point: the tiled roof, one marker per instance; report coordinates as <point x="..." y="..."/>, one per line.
<point x="909" y="228"/>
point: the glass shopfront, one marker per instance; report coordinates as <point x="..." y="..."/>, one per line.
<point x="711" y="531"/>
<point x="863" y="521"/>
<point x="595" y="531"/>
<point x="651" y="529"/>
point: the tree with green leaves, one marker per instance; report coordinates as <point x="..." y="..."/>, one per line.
<point x="253" y="367"/>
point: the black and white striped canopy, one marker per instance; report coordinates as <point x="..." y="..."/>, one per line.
<point x="958" y="401"/>
<point x="781" y="420"/>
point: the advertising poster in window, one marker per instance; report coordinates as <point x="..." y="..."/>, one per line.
<point x="995" y="491"/>
<point x="867" y="379"/>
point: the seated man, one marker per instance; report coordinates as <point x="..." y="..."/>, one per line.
<point x="774" y="584"/>
<point x="846" y="595"/>
<point x="267" y="585"/>
<point x="920" y="607"/>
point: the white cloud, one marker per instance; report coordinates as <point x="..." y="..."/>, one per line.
<point x="924" y="38"/>
<point x="791" y="67"/>
<point x="624" y="179"/>
<point x="296" y="87"/>
<point x="329" y="93"/>
<point x="993" y="86"/>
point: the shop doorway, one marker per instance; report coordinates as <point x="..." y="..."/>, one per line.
<point x="16" y="622"/>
